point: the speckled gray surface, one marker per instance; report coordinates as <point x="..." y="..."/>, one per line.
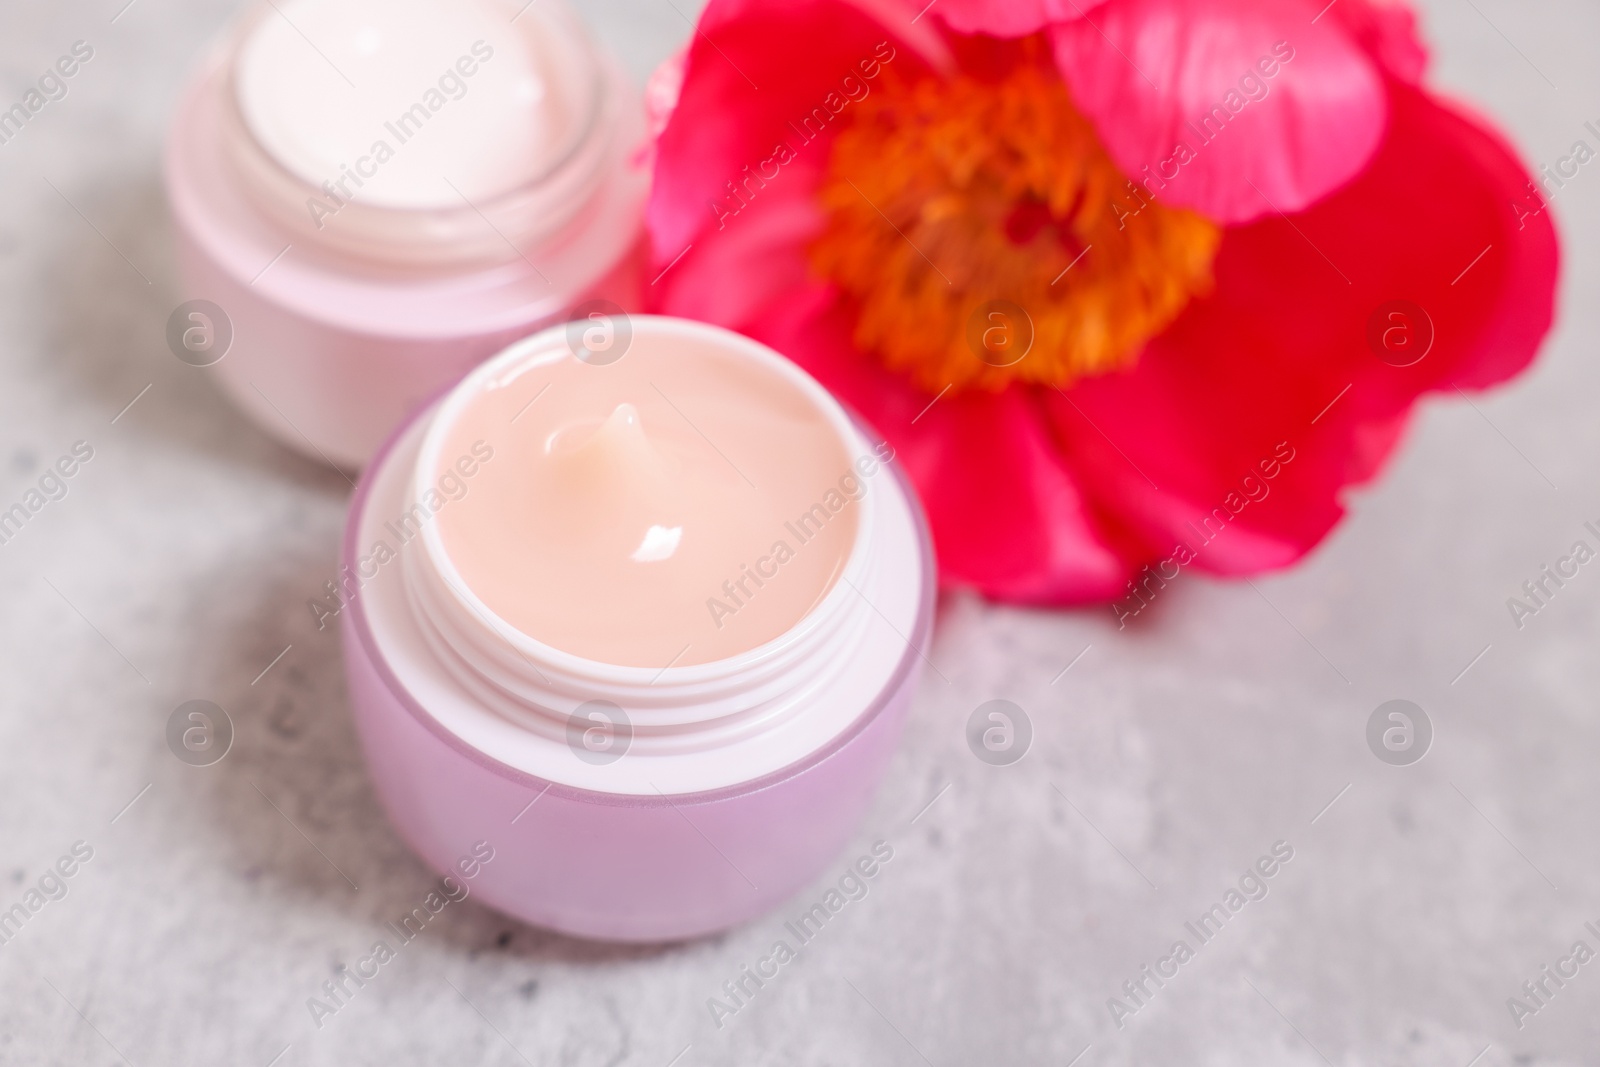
<point x="1166" y="760"/>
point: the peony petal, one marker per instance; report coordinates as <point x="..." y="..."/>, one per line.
<point x="1277" y="363"/>
<point x="1007" y="518"/>
<point x="1154" y="75"/>
<point x="761" y="74"/>
<point x="1387" y="32"/>
<point x="732" y="273"/>
<point x="1009" y="18"/>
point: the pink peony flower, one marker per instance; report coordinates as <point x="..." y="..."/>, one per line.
<point x="1130" y="285"/>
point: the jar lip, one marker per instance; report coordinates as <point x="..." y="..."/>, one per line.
<point x="550" y="345"/>
<point x="588" y="131"/>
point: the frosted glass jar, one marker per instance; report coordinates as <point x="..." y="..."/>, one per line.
<point x="352" y="298"/>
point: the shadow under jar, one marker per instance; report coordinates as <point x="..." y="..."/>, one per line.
<point x="649" y="626"/>
<point x="379" y="194"/>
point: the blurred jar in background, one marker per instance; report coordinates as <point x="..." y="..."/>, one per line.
<point x="379" y="194"/>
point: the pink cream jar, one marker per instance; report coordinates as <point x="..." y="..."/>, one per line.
<point x="378" y="194"/>
<point x="638" y="604"/>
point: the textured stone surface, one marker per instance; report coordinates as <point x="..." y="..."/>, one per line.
<point x="1165" y="761"/>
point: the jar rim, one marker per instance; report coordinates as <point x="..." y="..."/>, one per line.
<point x="666" y="687"/>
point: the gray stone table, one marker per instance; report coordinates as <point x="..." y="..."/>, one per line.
<point x="1165" y="761"/>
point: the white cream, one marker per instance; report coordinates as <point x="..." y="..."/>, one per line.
<point x="411" y="104"/>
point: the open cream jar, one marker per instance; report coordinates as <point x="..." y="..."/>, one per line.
<point x="380" y="193"/>
<point x="646" y="617"/>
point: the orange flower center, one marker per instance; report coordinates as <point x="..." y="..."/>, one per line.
<point x="988" y="238"/>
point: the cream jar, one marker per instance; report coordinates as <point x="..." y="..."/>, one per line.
<point x="647" y="618"/>
<point x="378" y="194"/>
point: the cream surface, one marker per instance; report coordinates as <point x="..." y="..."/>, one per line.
<point x="411" y="97"/>
<point x="680" y="506"/>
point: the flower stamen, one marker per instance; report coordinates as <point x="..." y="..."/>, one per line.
<point x="992" y="191"/>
